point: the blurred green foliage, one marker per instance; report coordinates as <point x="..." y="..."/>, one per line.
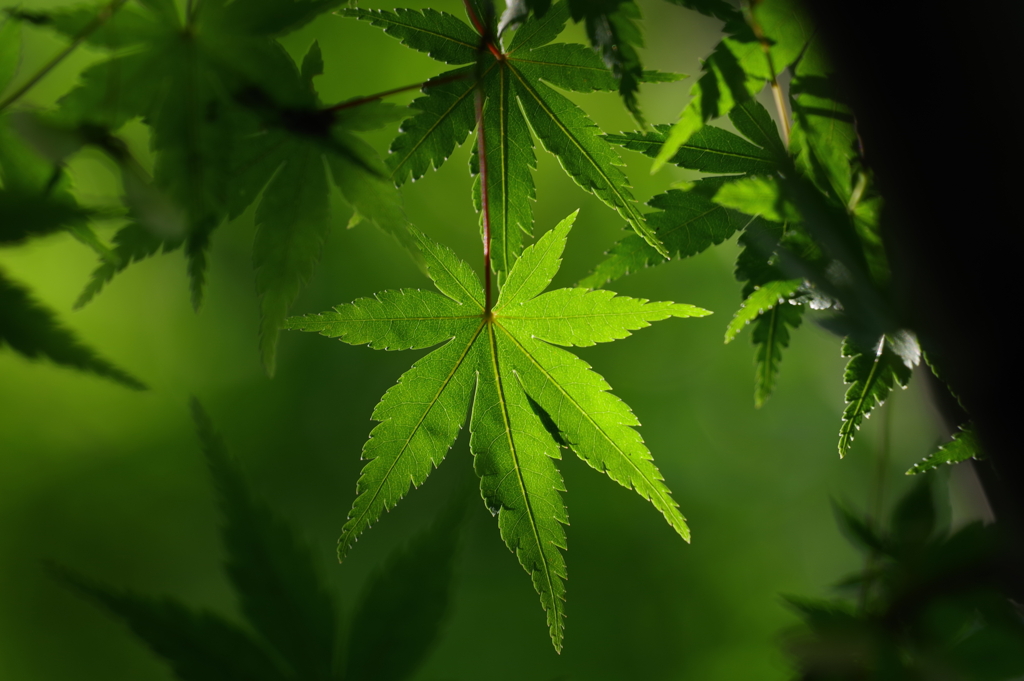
<point x="103" y="479"/>
<point x="930" y="604"/>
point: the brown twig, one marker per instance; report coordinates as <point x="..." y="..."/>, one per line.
<point x="483" y="30"/>
<point x="101" y="18"/>
<point x="780" y="101"/>
<point x="387" y="93"/>
<point x="481" y="151"/>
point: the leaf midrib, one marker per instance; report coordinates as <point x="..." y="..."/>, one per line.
<point x="691" y="147"/>
<point x="348" y="536"/>
<point x="430" y="131"/>
<point x="846" y="431"/>
<point x="625" y="205"/>
<point x="666" y="502"/>
<point x="518" y="469"/>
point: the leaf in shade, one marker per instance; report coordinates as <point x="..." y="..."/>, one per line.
<point x="10" y="50"/>
<point x="441" y="35"/>
<point x="569" y="134"/>
<point x="189" y="87"/>
<point x="614" y="32"/>
<point x="400" y="612"/>
<point x="289" y="162"/>
<point x="132" y="243"/>
<point x="273" y="573"/>
<point x="860" y="532"/>
<point x="962" y="447"/>
<point x="872" y="372"/>
<point x="738" y="67"/>
<point x="500" y="360"/>
<point x="687" y="222"/>
<point x="709" y="150"/>
<point x="770" y="338"/>
<point x="824" y="141"/>
<point x="30" y="215"/>
<point x="199" y="646"/>
<point x="443" y="119"/>
<point x="719" y="9"/>
<point x="32" y="330"/>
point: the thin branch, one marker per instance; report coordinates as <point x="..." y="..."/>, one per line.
<point x="387" y="93"/>
<point x="780" y="101"/>
<point x="484" y="31"/>
<point x="481" y="151"/>
<point x="101" y="18"/>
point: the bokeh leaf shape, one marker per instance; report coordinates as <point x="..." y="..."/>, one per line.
<point x="220" y="140"/>
<point x="273" y="573"/>
<point x="32" y="330"/>
<point x="10" y="50"/>
<point x="517" y="92"/>
<point x="292" y="620"/>
<point x="689" y="221"/>
<point x="402" y="609"/>
<point x="506" y="365"/>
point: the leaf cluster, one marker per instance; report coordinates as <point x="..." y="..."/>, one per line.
<point x="930" y="604"/>
<point x="293" y="626"/>
<point x="234" y="122"/>
<point x="805" y="208"/>
<point x="35" y="202"/>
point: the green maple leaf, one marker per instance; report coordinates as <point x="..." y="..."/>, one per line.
<point x="739" y="66"/>
<point x="962" y="447"/>
<point x="873" y="371"/>
<point x="518" y="99"/>
<point x="505" y="363"/>
<point x="690" y="221"/>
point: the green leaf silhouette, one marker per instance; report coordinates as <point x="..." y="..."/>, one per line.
<point x="291" y="616"/>
<point x="280" y="592"/>
<point x="32" y="330"/>
<point x="400" y="611"/>
<point x="516" y="92"/>
<point x="499" y="360"/>
<point x="221" y="141"/>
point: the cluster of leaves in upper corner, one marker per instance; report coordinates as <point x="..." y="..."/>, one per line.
<point x="293" y="620"/>
<point x="34" y="202"/>
<point x="516" y="83"/>
<point x="806" y="209"/>
<point x="929" y="604"/>
<point x="614" y="32"/>
<point x="529" y="398"/>
<point x="232" y="120"/>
